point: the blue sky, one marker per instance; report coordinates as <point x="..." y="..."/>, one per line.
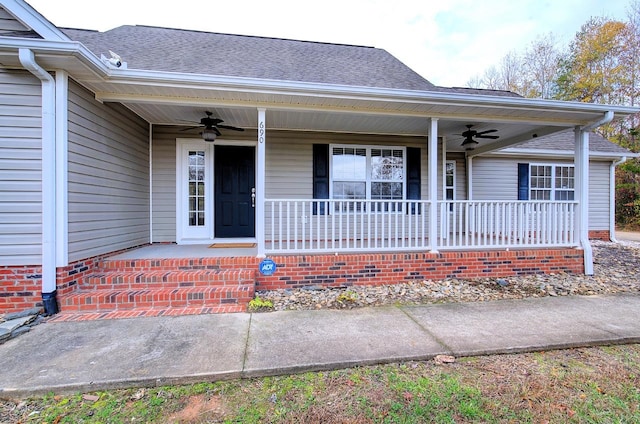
<point x="446" y="41"/>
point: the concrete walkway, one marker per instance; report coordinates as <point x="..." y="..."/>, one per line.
<point x="628" y="235"/>
<point x="95" y="355"/>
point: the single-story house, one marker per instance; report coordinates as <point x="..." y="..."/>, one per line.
<point x="175" y="171"/>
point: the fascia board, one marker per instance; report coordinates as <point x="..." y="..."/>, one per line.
<point x="370" y="93"/>
<point x="58" y="48"/>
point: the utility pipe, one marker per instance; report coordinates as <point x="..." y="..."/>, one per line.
<point x="27" y="59"/>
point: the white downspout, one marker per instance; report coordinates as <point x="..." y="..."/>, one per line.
<point x="62" y="169"/>
<point x="612" y="198"/>
<point x="27" y="59"/>
<point x="151" y="183"/>
<point x="582" y="156"/>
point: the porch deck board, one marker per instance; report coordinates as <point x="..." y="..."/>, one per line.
<point x="184" y="251"/>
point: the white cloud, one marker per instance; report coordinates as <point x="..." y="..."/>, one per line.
<point x="447" y="42"/>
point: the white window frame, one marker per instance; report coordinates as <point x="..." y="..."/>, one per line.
<point x="368" y="180"/>
<point x="553" y="189"/>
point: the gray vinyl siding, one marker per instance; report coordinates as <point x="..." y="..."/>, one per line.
<point x="599" y="206"/>
<point x="289" y="157"/>
<point x="9" y="24"/>
<point x="164" y="183"/>
<point x="497" y="179"/>
<point x="108" y="176"/>
<point x="20" y="169"/>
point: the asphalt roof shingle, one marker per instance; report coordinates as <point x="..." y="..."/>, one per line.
<point x="565" y="141"/>
<point x="175" y="50"/>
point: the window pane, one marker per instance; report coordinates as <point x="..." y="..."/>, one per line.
<point x="349" y="164"/>
<point x="449" y="182"/>
<point x="450" y="168"/>
<point x="540" y="195"/>
<point x="564" y="195"/>
<point x="387" y="164"/>
<point x="349" y="190"/>
<point x="386" y="190"/>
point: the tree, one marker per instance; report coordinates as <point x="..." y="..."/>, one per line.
<point x="541" y="65"/>
<point x="593" y="72"/>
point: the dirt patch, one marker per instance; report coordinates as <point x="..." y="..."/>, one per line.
<point x="198" y="408"/>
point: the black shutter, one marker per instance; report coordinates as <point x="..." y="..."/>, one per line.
<point x="320" y="176"/>
<point x="413" y="176"/>
<point x="523" y="181"/>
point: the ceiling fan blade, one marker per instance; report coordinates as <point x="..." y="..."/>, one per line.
<point x="486" y="132"/>
<point x="229" y="127"/>
<point x="191" y="128"/>
<point x="492" y="137"/>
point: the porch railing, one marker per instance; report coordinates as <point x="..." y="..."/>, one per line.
<point x="487" y="224"/>
<point x="295" y="225"/>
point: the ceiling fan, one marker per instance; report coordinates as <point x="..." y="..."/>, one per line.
<point x="212" y="127"/>
<point x="470" y="135"/>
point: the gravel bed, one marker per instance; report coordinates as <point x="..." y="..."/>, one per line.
<point x="616" y="269"/>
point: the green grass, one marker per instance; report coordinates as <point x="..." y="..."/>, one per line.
<point x="596" y="385"/>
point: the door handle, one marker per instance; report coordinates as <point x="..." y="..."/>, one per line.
<point x="253" y="197"/>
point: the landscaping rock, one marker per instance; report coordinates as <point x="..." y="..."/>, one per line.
<point x="16" y="323"/>
<point x="615" y="266"/>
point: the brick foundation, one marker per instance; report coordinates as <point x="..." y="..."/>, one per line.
<point x="602" y="235"/>
<point x="20" y="288"/>
<point x="389" y="268"/>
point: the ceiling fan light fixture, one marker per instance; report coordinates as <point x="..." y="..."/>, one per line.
<point x="209" y="134"/>
<point x="469" y="144"/>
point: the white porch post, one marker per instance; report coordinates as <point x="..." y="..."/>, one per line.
<point x="469" y="178"/>
<point x="260" y="181"/>
<point x="432" y="150"/>
<point x="581" y="162"/>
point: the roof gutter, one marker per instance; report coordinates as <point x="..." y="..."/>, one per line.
<point x="608" y="117"/>
<point x="346" y="91"/>
<point x="28" y="61"/>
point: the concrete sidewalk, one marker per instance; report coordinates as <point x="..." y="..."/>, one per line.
<point x="95" y="355"/>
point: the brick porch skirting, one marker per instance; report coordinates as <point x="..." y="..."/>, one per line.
<point x="388" y="268"/>
<point x="602" y="235"/>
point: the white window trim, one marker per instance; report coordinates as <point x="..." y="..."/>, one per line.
<point x="553" y="179"/>
<point x="368" y="179"/>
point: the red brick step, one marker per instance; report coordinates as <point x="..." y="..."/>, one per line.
<point x="122" y="280"/>
<point x="119" y="300"/>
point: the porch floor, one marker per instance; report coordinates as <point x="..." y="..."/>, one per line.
<point x="181" y="251"/>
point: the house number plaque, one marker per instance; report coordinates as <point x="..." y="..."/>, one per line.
<point x="261" y="132"/>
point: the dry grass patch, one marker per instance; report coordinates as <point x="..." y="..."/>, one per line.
<point x="600" y="384"/>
